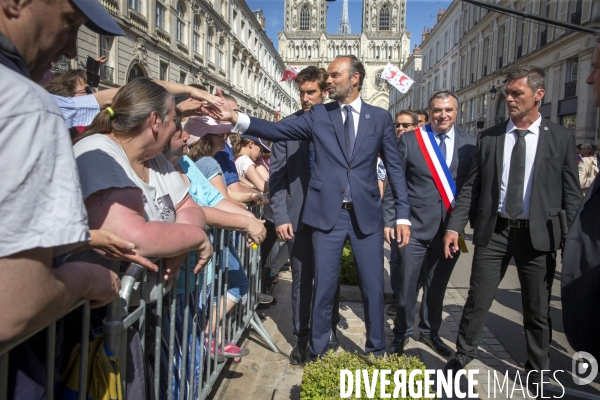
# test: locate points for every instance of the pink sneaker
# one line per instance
(230, 350)
(219, 357)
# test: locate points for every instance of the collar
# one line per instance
(449, 134)
(10, 57)
(533, 128)
(356, 105)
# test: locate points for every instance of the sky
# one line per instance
(419, 13)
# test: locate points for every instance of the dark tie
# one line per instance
(443, 137)
(349, 130)
(516, 176)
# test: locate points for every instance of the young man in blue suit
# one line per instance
(291, 167)
(343, 199)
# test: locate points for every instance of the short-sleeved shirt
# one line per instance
(225, 160)
(40, 197)
(210, 168)
(381, 172)
(242, 163)
(78, 110)
(103, 165)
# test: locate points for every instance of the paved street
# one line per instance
(267, 375)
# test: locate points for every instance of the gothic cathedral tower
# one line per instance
(304, 40)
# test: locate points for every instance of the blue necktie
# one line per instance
(349, 130)
(443, 137)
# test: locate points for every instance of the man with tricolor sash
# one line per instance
(436, 159)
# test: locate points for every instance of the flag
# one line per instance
(278, 112)
(289, 74)
(397, 78)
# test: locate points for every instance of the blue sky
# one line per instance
(419, 14)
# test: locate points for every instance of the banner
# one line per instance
(397, 78)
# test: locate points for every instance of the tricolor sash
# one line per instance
(437, 165)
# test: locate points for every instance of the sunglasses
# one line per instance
(404, 125)
(86, 90)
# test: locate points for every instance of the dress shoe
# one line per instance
(334, 342)
(436, 344)
(391, 309)
(398, 345)
(262, 298)
(298, 354)
(457, 363)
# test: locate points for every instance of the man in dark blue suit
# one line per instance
(343, 199)
(291, 167)
(422, 262)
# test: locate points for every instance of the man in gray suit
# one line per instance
(422, 262)
(291, 167)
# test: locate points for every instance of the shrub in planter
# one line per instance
(321, 379)
(348, 275)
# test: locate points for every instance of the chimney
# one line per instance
(440, 15)
(424, 34)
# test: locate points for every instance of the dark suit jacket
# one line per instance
(427, 210)
(555, 186)
(581, 276)
(288, 182)
(334, 167)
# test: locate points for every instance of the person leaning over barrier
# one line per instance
(41, 208)
(130, 188)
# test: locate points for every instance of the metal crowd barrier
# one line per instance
(196, 368)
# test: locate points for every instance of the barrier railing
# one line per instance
(182, 335)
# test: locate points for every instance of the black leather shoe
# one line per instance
(398, 345)
(436, 344)
(298, 354)
(457, 363)
(334, 342)
(391, 309)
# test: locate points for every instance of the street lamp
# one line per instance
(493, 92)
(205, 82)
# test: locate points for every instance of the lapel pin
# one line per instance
(367, 116)
(545, 128)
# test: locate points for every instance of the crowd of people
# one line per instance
(99, 179)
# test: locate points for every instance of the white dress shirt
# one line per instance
(244, 122)
(531, 142)
(449, 143)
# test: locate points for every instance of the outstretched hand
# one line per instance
(203, 95)
(221, 111)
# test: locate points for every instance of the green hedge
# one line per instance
(321, 379)
(348, 274)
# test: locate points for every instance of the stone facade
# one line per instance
(212, 42)
(483, 45)
(304, 40)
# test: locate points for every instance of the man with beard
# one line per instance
(347, 135)
(291, 167)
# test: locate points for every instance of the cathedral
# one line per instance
(382, 39)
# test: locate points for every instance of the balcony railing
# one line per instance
(138, 21)
(106, 73)
(500, 62)
(570, 89)
(62, 65)
(543, 38)
(182, 47)
(111, 5)
(576, 17)
(519, 51)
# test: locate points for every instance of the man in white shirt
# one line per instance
(523, 176)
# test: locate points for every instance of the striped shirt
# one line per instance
(78, 110)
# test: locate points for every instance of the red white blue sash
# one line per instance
(437, 165)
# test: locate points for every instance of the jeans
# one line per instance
(236, 276)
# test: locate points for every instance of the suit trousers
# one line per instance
(394, 268)
(368, 254)
(536, 273)
(301, 257)
(422, 265)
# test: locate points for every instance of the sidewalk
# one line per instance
(264, 375)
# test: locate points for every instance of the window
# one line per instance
(136, 5)
(160, 16)
(486, 46)
(104, 46)
(571, 78)
(220, 59)
(304, 19)
(163, 72)
(501, 47)
(445, 80)
(472, 110)
(182, 77)
(209, 46)
(519, 40)
(196, 37)
(453, 77)
(384, 18)
(180, 28)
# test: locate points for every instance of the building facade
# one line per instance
(484, 44)
(211, 42)
(383, 38)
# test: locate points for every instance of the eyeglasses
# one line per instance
(405, 125)
(86, 90)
